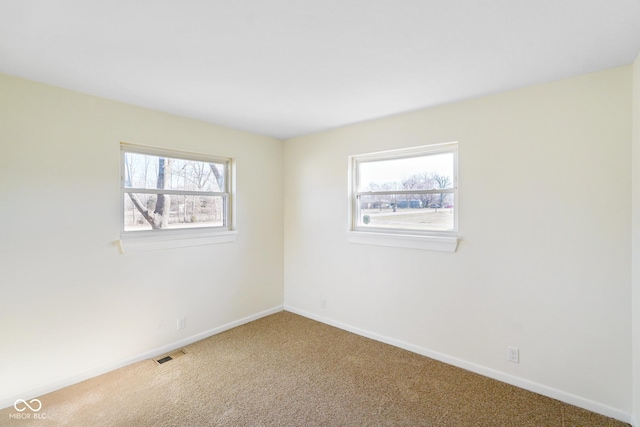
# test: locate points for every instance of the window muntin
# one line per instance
(409, 191)
(165, 190)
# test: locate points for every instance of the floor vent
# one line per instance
(170, 356)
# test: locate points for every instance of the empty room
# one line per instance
(323, 213)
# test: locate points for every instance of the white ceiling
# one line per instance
(291, 67)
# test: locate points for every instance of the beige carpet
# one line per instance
(286, 370)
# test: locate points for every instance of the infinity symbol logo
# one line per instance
(15, 405)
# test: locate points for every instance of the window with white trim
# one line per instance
(164, 190)
(405, 193)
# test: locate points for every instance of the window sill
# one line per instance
(135, 244)
(429, 243)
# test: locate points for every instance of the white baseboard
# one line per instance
(478, 369)
(8, 401)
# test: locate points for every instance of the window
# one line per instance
(170, 193)
(405, 197)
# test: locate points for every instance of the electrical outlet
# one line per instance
(181, 323)
(323, 303)
(513, 354)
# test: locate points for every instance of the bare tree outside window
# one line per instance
(168, 192)
(405, 192)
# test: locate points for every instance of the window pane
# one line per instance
(184, 211)
(147, 171)
(421, 173)
(425, 212)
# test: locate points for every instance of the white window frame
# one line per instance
(446, 241)
(148, 240)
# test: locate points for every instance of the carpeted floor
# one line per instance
(286, 370)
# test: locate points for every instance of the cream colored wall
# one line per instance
(71, 305)
(545, 223)
(636, 242)
(544, 262)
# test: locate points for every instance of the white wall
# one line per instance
(70, 304)
(636, 242)
(545, 221)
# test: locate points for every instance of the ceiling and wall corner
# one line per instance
(312, 70)
(287, 68)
